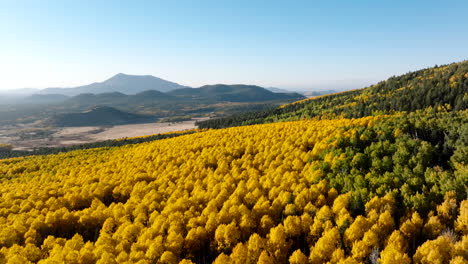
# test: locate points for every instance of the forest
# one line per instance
(325, 185)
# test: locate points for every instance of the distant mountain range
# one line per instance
(205, 94)
(129, 94)
(122, 83)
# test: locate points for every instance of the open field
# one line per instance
(28, 137)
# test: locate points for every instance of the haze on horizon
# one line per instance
(302, 45)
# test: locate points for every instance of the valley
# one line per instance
(28, 137)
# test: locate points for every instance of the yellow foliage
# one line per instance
(243, 194)
(439, 250)
(461, 225)
(298, 257)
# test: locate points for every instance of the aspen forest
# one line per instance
(369, 190)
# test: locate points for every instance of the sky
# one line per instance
(301, 45)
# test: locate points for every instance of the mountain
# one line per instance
(277, 90)
(439, 87)
(317, 93)
(209, 94)
(232, 93)
(305, 93)
(123, 83)
(98, 116)
(117, 98)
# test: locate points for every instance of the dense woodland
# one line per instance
(438, 87)
(383, 188)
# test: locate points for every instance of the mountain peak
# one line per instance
(121, 82)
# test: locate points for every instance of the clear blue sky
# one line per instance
(289, 44)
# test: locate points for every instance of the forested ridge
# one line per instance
(376, 186)
(437, 87)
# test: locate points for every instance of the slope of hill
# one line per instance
(99, 116)
(123, 83)
(119, 99)
(232, 93)
(438, 87)
(339, 191)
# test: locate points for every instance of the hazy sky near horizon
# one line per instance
(288, 44)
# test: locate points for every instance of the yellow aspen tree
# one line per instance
(337, 256)
(265, 258)
(394, 252)
(461, 247)
(433, 228)
(322, 251)
(156, 249)
(240, 254)
(384, 226)
(461, 225)
(222, 259)
(412, 227)
(297, 257)
(363, 248)
(356, 230)
(174, 243)
(439, 250)
(292, 226)
(341, 202)
(266, 223)
(447, 211)
(106, 258)
(168, 258)
(279, 243)
(255, 246)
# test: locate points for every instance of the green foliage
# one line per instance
(418, 157)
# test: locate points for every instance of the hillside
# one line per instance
(98, 116)
(232, 93)
(122, 83)
(338, 191)
(437, 87)
(116, 99)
